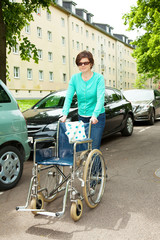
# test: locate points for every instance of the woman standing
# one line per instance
(90, 89)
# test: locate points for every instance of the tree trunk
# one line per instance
(2, 47)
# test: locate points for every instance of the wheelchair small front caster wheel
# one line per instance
(76, 210)
(37, 203)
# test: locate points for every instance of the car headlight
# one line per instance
(143, 108)
(51, 127)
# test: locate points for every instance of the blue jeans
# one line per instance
(96, 135)
(96, 129)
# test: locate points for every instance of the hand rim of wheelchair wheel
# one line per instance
(99, 181)
(34, 204)
(76, 210)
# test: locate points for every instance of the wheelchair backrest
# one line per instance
(65, 149)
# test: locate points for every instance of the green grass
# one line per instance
(26, 103)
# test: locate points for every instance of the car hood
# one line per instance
(137, 103)
(42, 116)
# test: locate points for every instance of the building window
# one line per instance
(77, 28)
(92, 36)
(72, 26)
(40, 75)
(28, 28)
(113, 45)
(93, 51)
(87, 48)
(81, 30)
(64, 59)
(109, 43)
(77, 45)
(82, 46)
(72, 43)
(51, 76)
(64, 77)
(50, 56)
(87, 33)
(49, 36)
(39, 32)
(29, 73)
(63, 41)
(38, 11)
(16, 49)
(48, 16)
(74, 63)
(62, 22)
(40, 53)
(16, 72)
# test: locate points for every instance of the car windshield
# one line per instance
(55, 100)
(138, 95)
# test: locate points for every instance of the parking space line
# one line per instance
(1, 193)
(144, 129)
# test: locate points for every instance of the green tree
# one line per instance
(141, 81)
(146, 16)
(13, 17)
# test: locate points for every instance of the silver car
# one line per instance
(145, 103)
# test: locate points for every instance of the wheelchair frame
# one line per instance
(84, 168)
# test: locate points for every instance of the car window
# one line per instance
(112, 95)
(118, 95)
(109, 93)
(55, 101)
(74, 103)
(157, 93)
(52, 101)
(138, 95)
(4, 98)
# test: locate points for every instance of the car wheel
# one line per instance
(152, 117)
(128, 129)
(11, 167)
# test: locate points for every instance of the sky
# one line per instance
(109, 12)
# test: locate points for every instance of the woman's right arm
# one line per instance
(68, 100)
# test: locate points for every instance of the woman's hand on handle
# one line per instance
(94, 120)
(63, 118)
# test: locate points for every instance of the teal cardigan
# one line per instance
(90, 95)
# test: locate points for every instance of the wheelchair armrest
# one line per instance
(45, 139)
(86, 140)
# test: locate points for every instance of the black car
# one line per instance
(145, 103)
(42, 118)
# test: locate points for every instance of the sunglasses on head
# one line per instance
(83, 63)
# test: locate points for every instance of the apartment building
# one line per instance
(59, 36)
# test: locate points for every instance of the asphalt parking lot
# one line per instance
(129, 209)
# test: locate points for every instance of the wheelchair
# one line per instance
(66, 167)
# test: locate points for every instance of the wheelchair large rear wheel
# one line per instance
(48, 180)
(94, 178)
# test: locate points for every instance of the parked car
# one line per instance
(42, 117)
(14, 143)
(145, 102)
